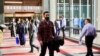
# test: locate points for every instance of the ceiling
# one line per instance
(22, 8)
(24, 2)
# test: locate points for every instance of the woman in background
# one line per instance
(21, 32)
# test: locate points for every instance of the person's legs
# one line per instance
(58, 32)
(89, 42)
(12, 33)
(31, 49)
(63, 32)
(87, 45)
(31, 40)
(43, 49)
(23, 39)
(35, 47)
(20, 38)
(51, 50)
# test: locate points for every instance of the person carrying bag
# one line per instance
(17, 40)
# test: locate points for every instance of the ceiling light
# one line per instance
(19, 2)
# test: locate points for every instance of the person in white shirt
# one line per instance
(57, 26)
(63, 24)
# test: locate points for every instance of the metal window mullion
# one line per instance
(64, 9)
(71, 15)
(94, 11)
(58, 8)
(87, 8)
(80, 9)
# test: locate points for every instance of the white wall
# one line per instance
(45, 5)
(1, 18)
(97, 40)
(53, 10)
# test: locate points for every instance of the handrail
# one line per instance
(97, 30)
(78, 28)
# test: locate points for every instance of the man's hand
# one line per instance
(41, 43)
(80, 42)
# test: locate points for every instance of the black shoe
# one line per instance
(30, 51)
(58, 50)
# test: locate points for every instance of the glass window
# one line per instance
(57, 1)
(76, 1)
(90, 2)
(84, 9)
(72, 12)
(61, 9)
(90, 9)
(84, 2)
(61, 1)
(76, 16)
(76, 8)
(67, 7)
(66, 1)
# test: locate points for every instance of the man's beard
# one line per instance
(47, 18)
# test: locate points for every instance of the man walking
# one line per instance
(32, 30)
(63, 24)
(89, 32)
(45, 35)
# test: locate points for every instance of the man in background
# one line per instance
(89, 32)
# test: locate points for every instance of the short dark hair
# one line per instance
(45, 12)
(89, 20)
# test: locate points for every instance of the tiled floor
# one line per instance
(9, 48)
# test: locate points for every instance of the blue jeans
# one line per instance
(57, 31)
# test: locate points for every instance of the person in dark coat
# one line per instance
(46, 35)
(13, 29)
(21, 33)
(1, 28)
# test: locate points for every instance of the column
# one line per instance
(53, 9)
(71, 17)
(45, 5)
(58, 9)
(94, 11)
(88, 9)
(97, 20)
(1, 11)
(80, 10)
(64, 9)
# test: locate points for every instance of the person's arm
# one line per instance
(83, 32)
(95, 34)
(53, 32)
(39, 32)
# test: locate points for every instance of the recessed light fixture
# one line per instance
(19, 2)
